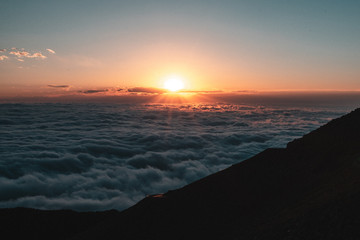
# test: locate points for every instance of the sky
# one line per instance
(52, 48)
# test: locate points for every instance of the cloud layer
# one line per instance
(97, 156)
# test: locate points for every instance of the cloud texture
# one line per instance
(58, 86)
(50, 51)
(96, 156)
(3, 57)
(21, 54)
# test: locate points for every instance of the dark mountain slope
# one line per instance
(25, 223)
(309, 190)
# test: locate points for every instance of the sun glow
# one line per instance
(173, 84)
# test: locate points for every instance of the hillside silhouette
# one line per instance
(308, 190)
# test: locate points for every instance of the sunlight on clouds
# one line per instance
(37, 55)
(21, 54)
(50, 51)
(3, 57)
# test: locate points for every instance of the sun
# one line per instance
(173, 84)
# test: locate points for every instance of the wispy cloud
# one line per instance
(37, 55)
(146, 90)
(58, 86)
(3, 57)
(21, 54)
(202, 91)
(94, 91)
(50, 51)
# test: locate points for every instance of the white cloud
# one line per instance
(20, 53)
(3, 57)
(37, 55)
(50, 51)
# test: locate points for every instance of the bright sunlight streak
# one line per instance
(173, 84)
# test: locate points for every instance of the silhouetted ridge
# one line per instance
(309, 190)
(339, 134)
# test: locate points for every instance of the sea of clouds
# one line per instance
(91, 157)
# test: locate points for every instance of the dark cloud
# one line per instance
(146, 90)
(213, 91)
(94, 91)
(58, 86)
(103, 156)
